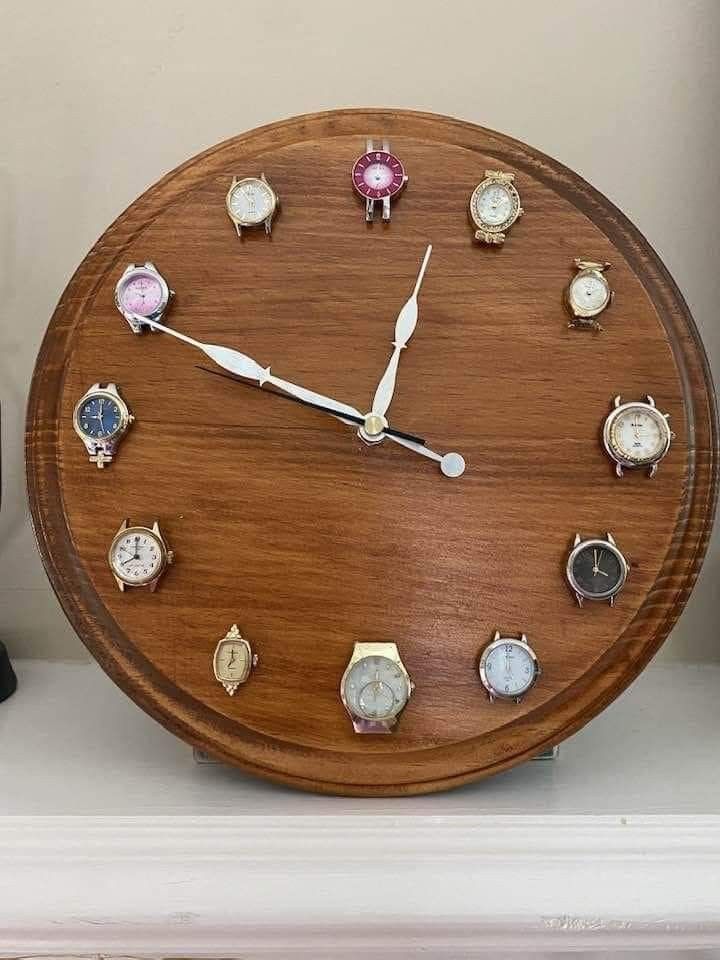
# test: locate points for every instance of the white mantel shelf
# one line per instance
(114, 842)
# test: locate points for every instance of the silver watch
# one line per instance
(142, 291)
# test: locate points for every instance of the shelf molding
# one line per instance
(342, 885)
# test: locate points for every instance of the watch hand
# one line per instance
(451, 464)
(404, 329)
(244, 366)
(314, 406)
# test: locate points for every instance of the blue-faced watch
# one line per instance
(101, 419)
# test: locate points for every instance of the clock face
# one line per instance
(99, 417)
(141, 293)
(287, 523)
(639, 434)
(597, 570)
(136, 556)
(376, 688)
(251, 201)
(508, 668)
(589, 293)
(378, 174)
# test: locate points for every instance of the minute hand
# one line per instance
(404, 329)
(244, 366)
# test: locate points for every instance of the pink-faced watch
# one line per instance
(142, 292)
(378, 175)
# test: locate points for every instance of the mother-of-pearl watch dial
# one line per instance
(639, 434)
(589, 292)
(494, 204)
(251, 201)
(137, 556)
(376, 688)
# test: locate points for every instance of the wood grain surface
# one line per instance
(283, 521)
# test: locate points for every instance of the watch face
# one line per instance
(597, 569)
(232, 661)
(378, 174)
(99, 417)
(141, 293)
(376, 688)
(589, 293)
(508, 668)
(250, 201)
(494, 204)
(137, 556)
(638, 434)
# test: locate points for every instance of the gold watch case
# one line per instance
(252, 222)
(166, 556)
(587, 316)
(387, 651)
(494, 233)
(232, 671)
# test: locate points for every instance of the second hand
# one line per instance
(314, 406)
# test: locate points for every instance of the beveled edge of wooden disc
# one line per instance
(186, 717)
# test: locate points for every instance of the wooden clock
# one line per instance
(330, 551)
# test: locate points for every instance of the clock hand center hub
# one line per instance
(372, 429)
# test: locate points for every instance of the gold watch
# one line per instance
(375, 687)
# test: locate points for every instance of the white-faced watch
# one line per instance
(101, 419)
(508, 667)
(251, 202)
(375, 687)
(142, 291)
(588, 293)
(636, 435)
(139, 556)
(495, 206)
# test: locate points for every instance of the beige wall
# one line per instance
(98, 100)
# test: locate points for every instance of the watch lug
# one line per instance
(577, 539)
(369, 209)
(617, 401)
(611, 601)
(496, 635)
(238, 228)
(156, 529)
(618, 469)
(579, 598)
(120, 584)
(123, 526)
(386, 209)
(652, 471)
(650, 400)
(611, 539)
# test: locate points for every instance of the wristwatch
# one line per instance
(251, 202)
(588, 293)
(636, 435)
(494, 206)
(375, 687)
(142, 291)
(378, 175)
(101, 419)
(139, 556)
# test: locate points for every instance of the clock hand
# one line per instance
(313, 406)
(244, 366)
(451, 464)
(404, 329)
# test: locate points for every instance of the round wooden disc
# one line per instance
(284, 522)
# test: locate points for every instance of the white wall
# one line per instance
(98, 100)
